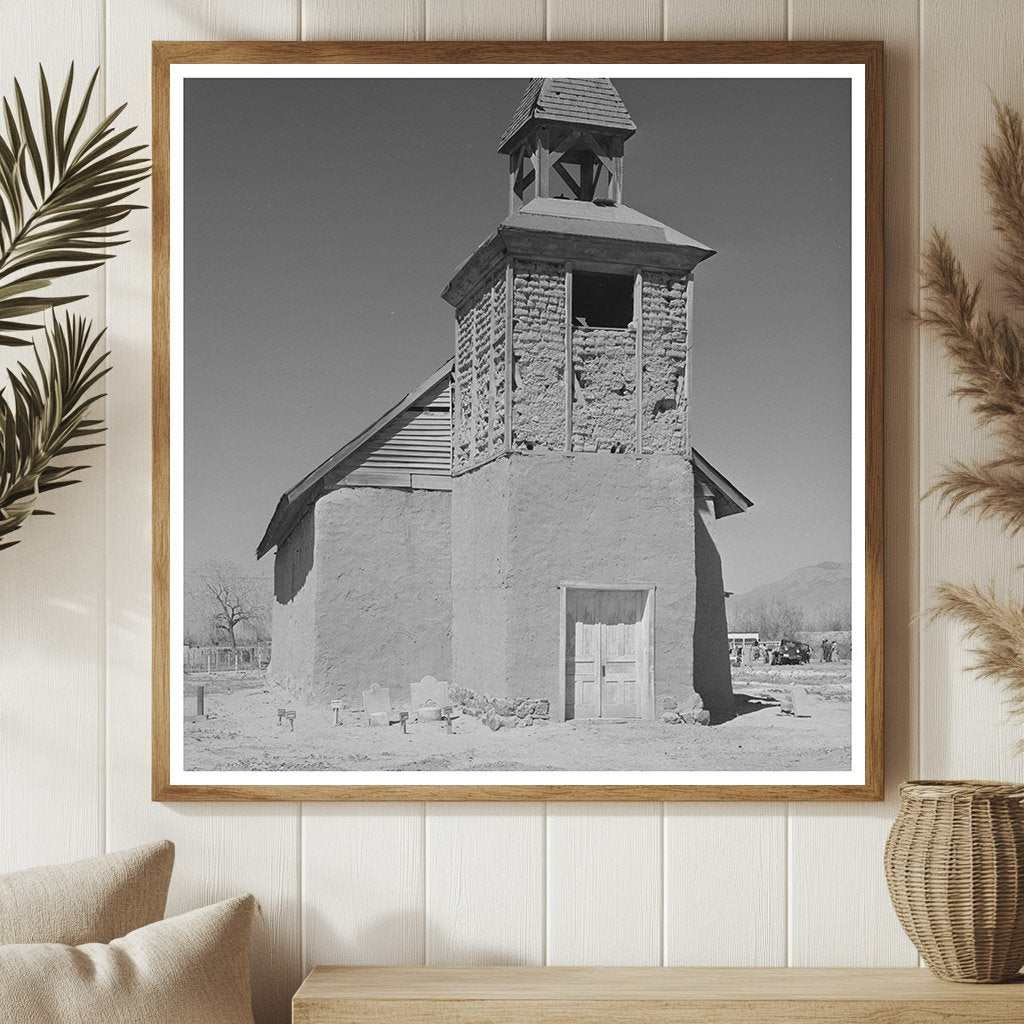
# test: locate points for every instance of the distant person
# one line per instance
(832, 648)
(824, 649)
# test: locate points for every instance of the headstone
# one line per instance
(377, 701)
(200, 708)
(428, 692)
(801, 702)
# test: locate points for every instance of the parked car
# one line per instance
(791, 652)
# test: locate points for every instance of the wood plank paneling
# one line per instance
(725, 885)
(362, 884)
(363, 19)
(418, 441)
(967, 49)
(726, 19)
(484, 19)
(836, 852)
(604, 884)
(485, 883)
(51, 584)
(363, 865)
(400, 884)
(741, 886)
(222, 849)
(604, 19)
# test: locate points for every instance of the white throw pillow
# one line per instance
(190, 969)
(92, 900)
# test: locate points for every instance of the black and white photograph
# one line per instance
(517, 426)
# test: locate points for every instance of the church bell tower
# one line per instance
(573, 477)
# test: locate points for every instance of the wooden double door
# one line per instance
(605, 653)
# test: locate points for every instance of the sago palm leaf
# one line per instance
(62, 191)
(45, 418)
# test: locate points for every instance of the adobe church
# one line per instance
(530, 523)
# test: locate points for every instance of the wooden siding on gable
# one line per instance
(416, 443)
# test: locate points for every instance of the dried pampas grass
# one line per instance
(987, 354)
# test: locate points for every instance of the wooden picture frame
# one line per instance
(867, 56)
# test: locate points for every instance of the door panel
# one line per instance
(620, 692)
(583, 646)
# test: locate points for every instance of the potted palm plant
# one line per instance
(64, 189)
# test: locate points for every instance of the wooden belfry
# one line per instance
(574, 127)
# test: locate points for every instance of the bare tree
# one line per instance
(831, 616)
(235, 600)
(773, 618)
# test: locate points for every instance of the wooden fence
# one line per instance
(224, 660)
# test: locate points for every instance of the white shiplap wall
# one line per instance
(515, 883)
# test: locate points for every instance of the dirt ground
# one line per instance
(242, 733)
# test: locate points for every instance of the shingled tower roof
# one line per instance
(585, 101)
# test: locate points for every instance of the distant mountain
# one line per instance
(808, 588)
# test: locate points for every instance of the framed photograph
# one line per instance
(517, 421)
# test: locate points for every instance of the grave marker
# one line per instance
(200, 710)
(377, 701)
(428, 692)
(801, 702)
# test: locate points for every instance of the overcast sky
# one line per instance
(323, 218)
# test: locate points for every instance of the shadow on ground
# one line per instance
(748, 703)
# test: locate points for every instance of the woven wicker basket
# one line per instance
(954, 861)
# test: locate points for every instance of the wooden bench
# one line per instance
(647, 995)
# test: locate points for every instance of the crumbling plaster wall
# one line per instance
(383, 590)
(712, 674)
(479, 422)
(604, 368)
(600, 519)
(294, 612)
(664, 400)
(523, 525)
(480, 573)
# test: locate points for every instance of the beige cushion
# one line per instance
(93, 900)
(191, 969)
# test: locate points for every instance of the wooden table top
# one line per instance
(639, 984)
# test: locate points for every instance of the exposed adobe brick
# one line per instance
(604, 391)
(664, 410)
(538, 350)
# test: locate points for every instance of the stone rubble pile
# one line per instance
(687, 710)
(501, 712)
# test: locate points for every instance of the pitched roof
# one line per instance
(729, 499)
(589, 101)
(294, 502)
(594, 220)
(567, 229)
